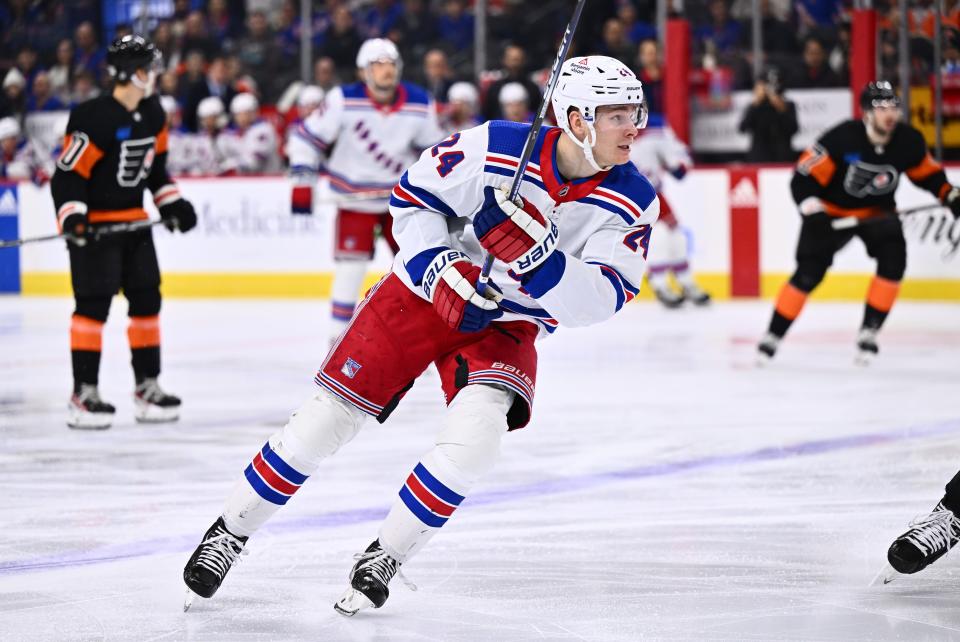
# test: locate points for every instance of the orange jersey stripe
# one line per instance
(85, 333)
(790, 301)
(144, 332)
(858, 212)
(163, 139)
(882, 293)
(925, 168)
(117, 216)
(818, 164)
(79, 154)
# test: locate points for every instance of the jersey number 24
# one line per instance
(448, 160)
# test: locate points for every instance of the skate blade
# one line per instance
(188, 600)
(885, 576)
(762, 360)
(864, 359)
(351, 603)
(155, 414)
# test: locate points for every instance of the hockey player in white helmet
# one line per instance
(213, 154)
(656, 153)
(463, 103)
(379, 127)
(571, 252)
(515, 103)
(180, 152)
(252, 142)
(20, 158)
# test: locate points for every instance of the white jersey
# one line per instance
(374, 143)
(28, 163)
(657, 150)
(180, 152)
(253, 150)
(604, 223)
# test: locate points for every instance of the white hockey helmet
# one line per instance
(244, 102)
(379, 50)
(513, 92)
(9, 128)
(169, 104)
(589, 82)
(463, 92)
(210, 106)
(310, 95)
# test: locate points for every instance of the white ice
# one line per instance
(666, 489)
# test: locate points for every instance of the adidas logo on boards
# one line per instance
(8, 202)
(744, 194)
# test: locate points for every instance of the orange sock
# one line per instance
(86, 333)
(144, 332)
(882, 293)
(790, 301)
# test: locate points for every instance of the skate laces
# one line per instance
(220, 552)
(867, 336)
(934, 531)
(150, 391)
(770, 340)
(383, 567)
(89, 394)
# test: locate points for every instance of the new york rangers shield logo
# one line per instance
(350, 367)
(563, 191)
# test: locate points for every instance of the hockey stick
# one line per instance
(535, 130)
(97, 233)
(851, 222)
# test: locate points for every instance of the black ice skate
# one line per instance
(88, 411)
(696, 296)
(206, 568)
(668, 297)
(867, 348)
(153, 405)
(767, 348)
(930, 537)
(368, 581)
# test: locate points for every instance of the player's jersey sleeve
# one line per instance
(309, 143)
(923, 170)
(444, 184)
(591, 288)
(85, 143)
(674, 153)
(816, 167)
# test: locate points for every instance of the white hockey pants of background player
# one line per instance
(466, 449)
(348, 275)
(669, 253)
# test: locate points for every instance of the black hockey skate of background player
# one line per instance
(115, 147)
(853, 171)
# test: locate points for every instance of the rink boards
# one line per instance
(741, 220)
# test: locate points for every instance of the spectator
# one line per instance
(260, 55)
(514, 63)
(815, 15)
(840, 54)
(193, 72)
(455, 26)
(614, 41)
(27, 64)
(723, 31)
(222, 25)
(343, 43)
(651, 74)
(168, 84)
(771, 120)
(61, 73)
(169, 47)
(814, 71)
(14, 94)
(439, 77)
(214, 83)
(515, 103)
(416, 31)
(776, 35)
(89, 55)
(637, 30)
(85, 87)
(196, 37)
(288, 30)
(42, 98)
(461, 110)
(381, 18)
(325, 73)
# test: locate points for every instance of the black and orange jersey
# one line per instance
(853, 177)
(110, 155)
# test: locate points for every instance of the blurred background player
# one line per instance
(180, 153)
(852, 173)
(309, 98)
(379, 127)
(21, 158)
(251, 142)
(461, 112)
(515, 103)
(658, 151)
(209, 156)
(116, 147)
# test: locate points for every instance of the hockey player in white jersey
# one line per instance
(570, 253)
(210, 158)
(658, 152)
(379, 127)
(252, 141)
(180, 152)
(20, 158)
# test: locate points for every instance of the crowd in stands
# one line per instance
(52, 53)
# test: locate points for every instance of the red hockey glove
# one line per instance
(301, 200)
(515, 233)
(952, 200)
(450, 283)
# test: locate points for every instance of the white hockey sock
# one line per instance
(315, 431)
(347, 279)
(658, 280)
(465, 450)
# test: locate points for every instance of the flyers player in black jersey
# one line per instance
(115, 147)
(853, 171)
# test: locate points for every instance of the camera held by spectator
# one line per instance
(772, 121)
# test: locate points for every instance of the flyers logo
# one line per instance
(867, 179)
(136, 159)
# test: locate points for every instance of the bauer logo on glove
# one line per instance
(514, 232)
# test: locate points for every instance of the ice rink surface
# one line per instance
(666, 490)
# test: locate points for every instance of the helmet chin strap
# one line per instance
(588, 147)
(146, 85)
